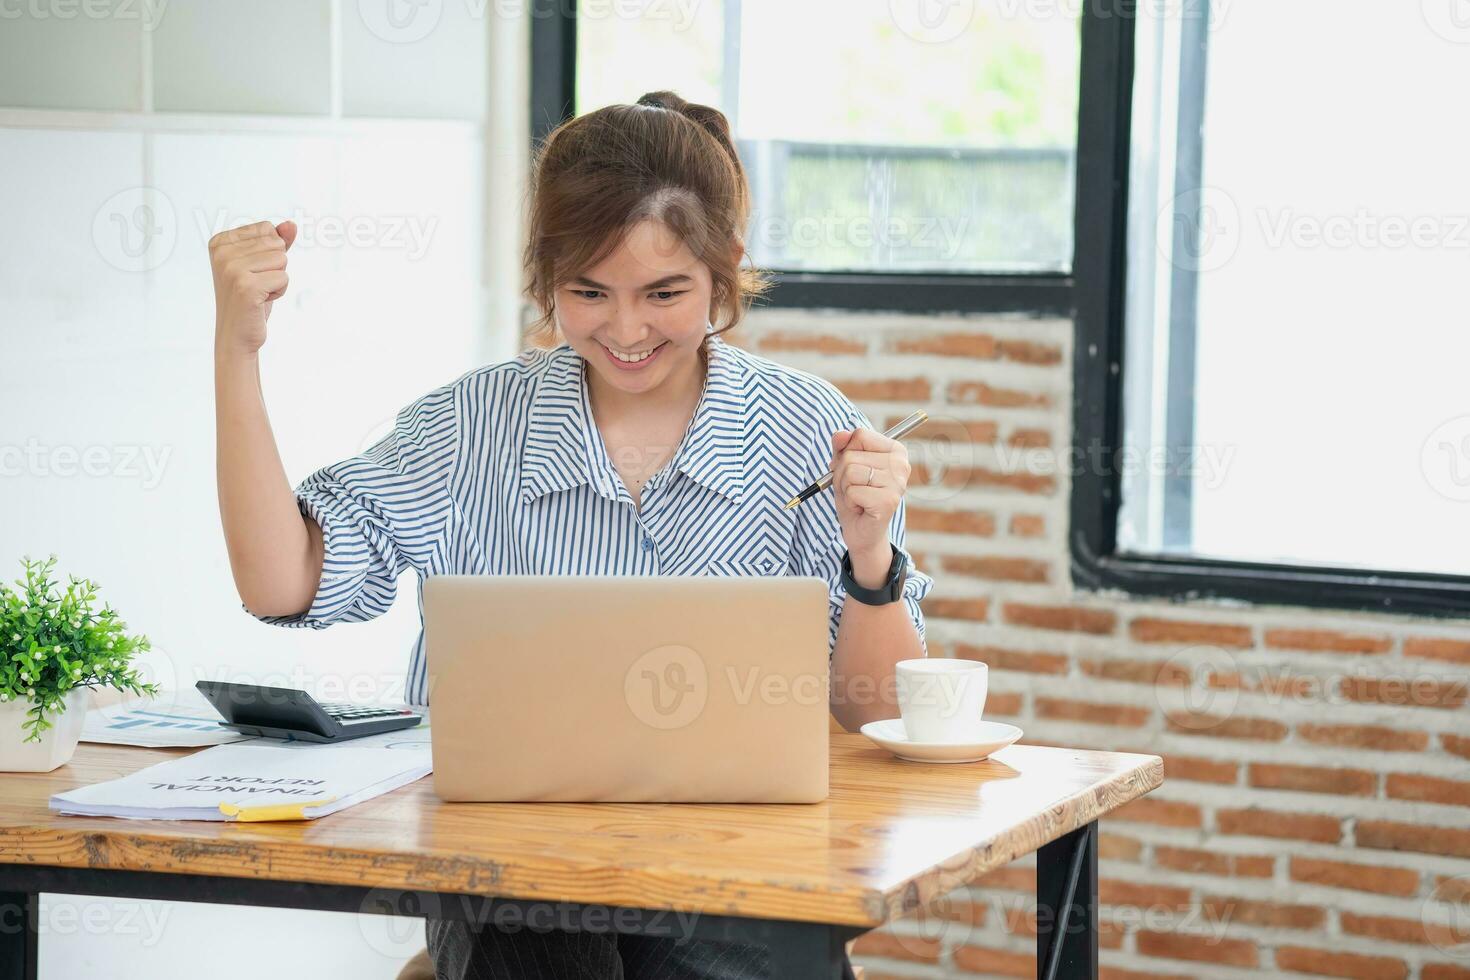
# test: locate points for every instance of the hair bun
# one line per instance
(708, 117)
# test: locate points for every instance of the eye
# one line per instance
(587, 293)
(668, 294)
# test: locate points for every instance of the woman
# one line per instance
(643, 444)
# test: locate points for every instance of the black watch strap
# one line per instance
(890, 591)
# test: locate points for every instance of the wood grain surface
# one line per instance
(893, 836)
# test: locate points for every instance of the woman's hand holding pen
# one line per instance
(249, 265)
(870, 473)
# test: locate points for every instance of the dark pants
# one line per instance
(465, 952)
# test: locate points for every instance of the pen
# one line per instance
(897, 432)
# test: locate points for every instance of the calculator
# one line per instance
(284, 712)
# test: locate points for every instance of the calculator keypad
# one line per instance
(350, 713)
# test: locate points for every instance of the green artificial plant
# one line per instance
(53, 641)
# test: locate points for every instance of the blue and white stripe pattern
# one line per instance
(504, 472)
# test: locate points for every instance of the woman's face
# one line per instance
(648, 301)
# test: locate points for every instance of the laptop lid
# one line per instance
(628, 688)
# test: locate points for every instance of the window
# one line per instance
(880, 137)
(1285, 387)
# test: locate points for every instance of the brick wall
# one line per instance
(1317, 802)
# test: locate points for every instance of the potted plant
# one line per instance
(54, 647)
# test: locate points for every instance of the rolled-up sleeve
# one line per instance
(381, 512)
(819, 549)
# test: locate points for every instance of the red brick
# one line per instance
(1444, 971)
(1389, 835)
(1116, 847)
(1105, 972)
(975, 609)
(1098, 622)
(1357, 877)
(1199, 770)
(1456, 745)
(1274, 915)
(1150, 630)
(1029, 439)
(1030, 352)
(1165, 813)
(964, 477)
(1277, 683)
(1136, 671)
(1000, 658)
(1438, 648)
(1027, 525)
(1210, 862)
(1428, 789)
(983, 959)
(915, 949)
(1327, 641)
(823, 343)
(1112, 891)
(1202, 949)
(1092, 713)
(1416, 693)
(1386, 927)
(972, 522)
(1254, 866)
(1325, 963)
(1454, 891)
(980, 393)
(1276, 823)
(998, 569)
(1219, 726)
(1002, 703)
(886, 390)
(975, 345)
(1364, 737)
(1312, 779)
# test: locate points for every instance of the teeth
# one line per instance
(631, 358)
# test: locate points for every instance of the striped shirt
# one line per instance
(504, 472)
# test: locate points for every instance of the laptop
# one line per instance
(628, 689)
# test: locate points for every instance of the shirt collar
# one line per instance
(564, 448)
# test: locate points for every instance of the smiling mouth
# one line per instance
(634, 357)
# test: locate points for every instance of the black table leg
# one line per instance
(1066, 906)
(805, 949)
(18, 935)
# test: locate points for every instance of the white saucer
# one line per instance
(992, 737)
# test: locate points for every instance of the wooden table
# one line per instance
(892, 839)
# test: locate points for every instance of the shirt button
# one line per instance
(647, 544)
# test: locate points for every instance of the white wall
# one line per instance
(378, 150)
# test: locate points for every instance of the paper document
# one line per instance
(173, 718)
(260, 779)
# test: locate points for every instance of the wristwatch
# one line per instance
(889, 591)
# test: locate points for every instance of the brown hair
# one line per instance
(598, 175)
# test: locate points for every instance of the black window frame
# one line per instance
(1092, 296)
(1105, 117)
(1040, 294)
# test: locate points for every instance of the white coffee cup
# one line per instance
(941, 699)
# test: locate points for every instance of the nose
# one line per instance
(626, 330)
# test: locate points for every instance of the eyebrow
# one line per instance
(674, 280)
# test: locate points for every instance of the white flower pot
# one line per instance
(57, 743)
